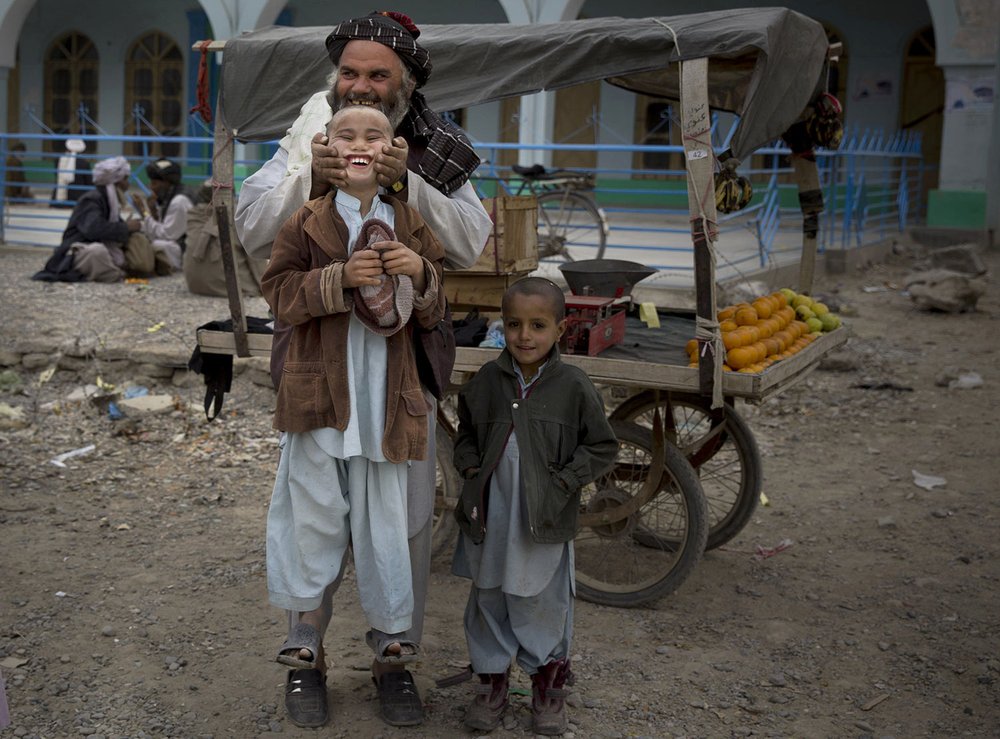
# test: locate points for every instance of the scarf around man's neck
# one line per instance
(448, 159)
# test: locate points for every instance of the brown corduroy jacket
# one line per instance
(307, 260)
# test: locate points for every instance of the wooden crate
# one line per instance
(466, 290)
(513, 243)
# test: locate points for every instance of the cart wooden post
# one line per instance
(696, 123)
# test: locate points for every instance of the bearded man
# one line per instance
(378, 62)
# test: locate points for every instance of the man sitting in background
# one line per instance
(98, 245)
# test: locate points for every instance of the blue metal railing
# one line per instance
(871, 185)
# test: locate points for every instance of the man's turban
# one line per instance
(111, 171)
(394, 30)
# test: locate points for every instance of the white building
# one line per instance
(926, 65)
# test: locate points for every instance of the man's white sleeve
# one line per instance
(267, 199)
(459, 221)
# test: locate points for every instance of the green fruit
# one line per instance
(830, 321)
(804, 312)
(789, 294)
(814, 324)
(820, 309)
(800, 300)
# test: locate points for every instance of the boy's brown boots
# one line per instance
(487, 707)
(548, 697)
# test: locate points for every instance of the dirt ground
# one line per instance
(132, 589)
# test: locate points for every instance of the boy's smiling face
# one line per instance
(359, 135)
(531, 329)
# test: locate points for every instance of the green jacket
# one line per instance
(564, 438)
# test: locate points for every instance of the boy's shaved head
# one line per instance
(373, 117)
(541, 287)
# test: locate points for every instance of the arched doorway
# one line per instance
(154, 93)
(922, 102)
(71, 74)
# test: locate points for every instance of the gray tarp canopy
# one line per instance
(766, 65)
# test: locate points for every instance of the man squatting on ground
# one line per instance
(165, 215)
(377, 62)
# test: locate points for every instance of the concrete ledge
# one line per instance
(934, 237)
(840, 261)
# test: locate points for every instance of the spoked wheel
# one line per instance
(446, 492)
(721, 448)
(566, 220)
(639, 542)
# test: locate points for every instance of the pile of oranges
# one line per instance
(758, 334)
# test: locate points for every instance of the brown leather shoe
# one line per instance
(486, 709)
(548, 698)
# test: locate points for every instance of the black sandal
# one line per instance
(398, 699)
(306, 702)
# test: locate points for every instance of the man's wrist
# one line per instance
(399, 186)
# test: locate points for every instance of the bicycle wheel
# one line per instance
(616, 564)
(722, 451)
(570, 220)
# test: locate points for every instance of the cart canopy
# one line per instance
(765, 65)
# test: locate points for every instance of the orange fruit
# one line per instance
(763, 308)
(780, 298)
(740, 357)
(773, 346)
(746, 316)
(691, 347)
(785, 337)
(726, 313)
(728, 325)
(731, 339)
(743, 336)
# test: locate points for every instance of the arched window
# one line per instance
(922, 101)
(154, 93)
(71, 67)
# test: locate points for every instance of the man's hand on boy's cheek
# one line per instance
(362, 268)
(390, 164)
(328, 167)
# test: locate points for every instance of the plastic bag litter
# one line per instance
(60, 460)
(494, 336)
(927, 482)
(966, 381)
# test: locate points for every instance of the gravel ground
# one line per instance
(133, 600)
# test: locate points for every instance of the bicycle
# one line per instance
(567, 214)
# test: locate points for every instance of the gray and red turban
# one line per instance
(388, 28)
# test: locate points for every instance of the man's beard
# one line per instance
(395, 110)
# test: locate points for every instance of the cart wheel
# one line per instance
(631, 560)
(723, 452)
(446, 493)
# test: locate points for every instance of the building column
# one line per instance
(4, 78)
(966, 35)
(992, 169)
(538, 111)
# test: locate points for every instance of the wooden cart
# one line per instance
(645, 525)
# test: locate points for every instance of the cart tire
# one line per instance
(728, 464)
(447, 490)
(615, 568)
(568, 219)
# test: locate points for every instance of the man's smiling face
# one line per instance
(371, 74)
